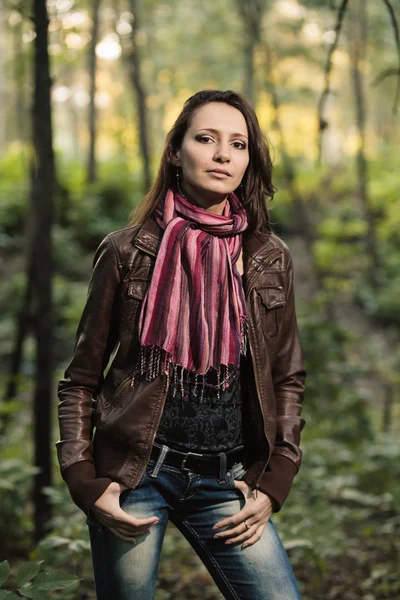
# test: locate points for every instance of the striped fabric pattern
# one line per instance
(194, 313)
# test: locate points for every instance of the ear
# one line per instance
(174, 157)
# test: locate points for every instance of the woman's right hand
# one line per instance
(108, 511)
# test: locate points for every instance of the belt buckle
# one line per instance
(183, 467)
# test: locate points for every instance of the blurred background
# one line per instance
(88, 91)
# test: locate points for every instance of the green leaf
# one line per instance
(56, 580)
(27, 572)
(55, 541)
(4, 595)
(4, 571)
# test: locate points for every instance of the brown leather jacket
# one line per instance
(125, 418)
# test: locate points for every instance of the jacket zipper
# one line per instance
(267, 263)
(257, 483)
(156, 427)
(152, 252)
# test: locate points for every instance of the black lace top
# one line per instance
(210, 424)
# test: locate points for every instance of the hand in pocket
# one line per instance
(248, 524)
(107, 510)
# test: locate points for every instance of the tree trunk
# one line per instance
(251, 13)
(357, 37)
(91, 172)
(142, 113)
(42, 207)
(301, 218)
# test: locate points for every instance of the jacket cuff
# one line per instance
(83, 485)
(276, 481)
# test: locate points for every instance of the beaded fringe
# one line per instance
(153, 360)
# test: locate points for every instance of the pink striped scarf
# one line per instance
(194, 313)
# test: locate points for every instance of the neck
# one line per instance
(214, 205)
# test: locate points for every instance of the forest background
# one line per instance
(88, 90)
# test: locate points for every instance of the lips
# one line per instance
(220, 171)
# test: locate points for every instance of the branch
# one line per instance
(397, 39)
(322, 124)
(387, 73)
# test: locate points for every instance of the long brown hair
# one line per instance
(256, 182)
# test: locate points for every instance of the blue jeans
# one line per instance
(194, 503)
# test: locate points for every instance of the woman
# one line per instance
(198, 418)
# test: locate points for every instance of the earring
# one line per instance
(178, 183)
(241, 191)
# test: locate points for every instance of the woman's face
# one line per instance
(216, 139)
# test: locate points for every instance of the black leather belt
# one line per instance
(204, 464)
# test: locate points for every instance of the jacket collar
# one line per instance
(255, 246)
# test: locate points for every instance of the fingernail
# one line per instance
(216, 526)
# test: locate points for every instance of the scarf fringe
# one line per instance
(153, 360)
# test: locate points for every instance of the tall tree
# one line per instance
(301, 215)
(91, 171)
(357, 42)
(252, 14)
(42, 193)
(139, 89)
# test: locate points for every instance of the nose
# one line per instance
(222, 153)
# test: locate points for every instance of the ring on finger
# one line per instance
(247, 526)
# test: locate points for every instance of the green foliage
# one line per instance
(345, 503)
(92, 211)
(15, 482)
(333, 409)
(14, 190)
(31, 583)
(382, 303)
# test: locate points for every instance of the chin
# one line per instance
(220, 188)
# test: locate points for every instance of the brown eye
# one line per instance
(202, 137)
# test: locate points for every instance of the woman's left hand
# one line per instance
(256, 513)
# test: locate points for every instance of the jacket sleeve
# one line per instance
(96, 337)
(288, 376)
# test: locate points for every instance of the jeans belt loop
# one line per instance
(160, 460)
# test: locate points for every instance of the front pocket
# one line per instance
(271, 301)
(106, 410)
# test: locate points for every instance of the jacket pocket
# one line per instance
(271, 303)
(107, 410)
(132, 300)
